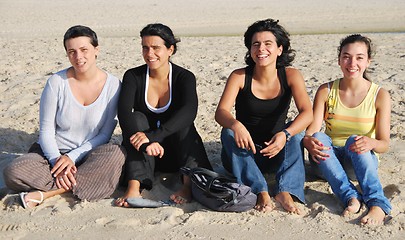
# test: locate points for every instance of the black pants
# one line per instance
(182, 148)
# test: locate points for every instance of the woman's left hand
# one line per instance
(275, 145)
(155, 149)
(362, 144)
(138, 139)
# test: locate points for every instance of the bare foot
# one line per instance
(352, 207)
(264, 202)
(286, 201)
(375, 216)
(133, 191)
(184, 194)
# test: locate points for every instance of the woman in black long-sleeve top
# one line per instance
(157, 107)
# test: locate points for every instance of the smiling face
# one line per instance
(354, 60)
(155, 53)
(81, 54)
(264, 50)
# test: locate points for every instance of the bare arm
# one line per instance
(302, 120)
(302, 101)
(319, 109)
(380, 143)
(313, 145)
(383, 121)
(223, 114)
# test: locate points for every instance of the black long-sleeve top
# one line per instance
(181, 112)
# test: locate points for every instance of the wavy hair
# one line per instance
(282, 39)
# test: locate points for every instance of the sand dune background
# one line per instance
(212, 46)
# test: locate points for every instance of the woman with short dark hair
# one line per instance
(156, 111)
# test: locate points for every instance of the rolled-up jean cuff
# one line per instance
(300, 198)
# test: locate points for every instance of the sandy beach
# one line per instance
(211, 47)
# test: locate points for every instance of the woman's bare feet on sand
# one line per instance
(133, 191)
(286, 201)
(184, 194)
(352, 207)
(375, 216)
(264, 202)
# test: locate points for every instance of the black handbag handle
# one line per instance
(213, 176)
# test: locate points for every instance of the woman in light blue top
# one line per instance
(77, 118)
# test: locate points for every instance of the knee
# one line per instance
(110, 152)
(319, 135)
(296, 139)
(227, 135)
(10, 173)
(140, 120)
(325, 139)
(350, 140)
(119, 152)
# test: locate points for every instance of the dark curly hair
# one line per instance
(282, 39)
(162, 31)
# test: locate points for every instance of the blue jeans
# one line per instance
(365, 167)
(247, 167)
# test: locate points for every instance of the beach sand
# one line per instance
(211, 46)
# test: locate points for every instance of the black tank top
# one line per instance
(263, 118)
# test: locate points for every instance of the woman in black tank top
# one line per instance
(258, 139)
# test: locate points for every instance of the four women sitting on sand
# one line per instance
(158, 104)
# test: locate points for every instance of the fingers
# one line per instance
(243, 144)
(57, 168)
(162, 151)
(62, 183)
(251, 146)
(62, 165)
(243, 139)
(65, 181)
(64, 171)
(360, 145)
(274, 146)
(314, 158)
(71, 179)
(155, 149)
(138, 139)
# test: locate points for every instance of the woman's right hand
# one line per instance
(64, 172)
(315, 148)
(242, 137)
(138, 139)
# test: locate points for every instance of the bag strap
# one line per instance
(212, 176)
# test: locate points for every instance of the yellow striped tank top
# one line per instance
(342, 122)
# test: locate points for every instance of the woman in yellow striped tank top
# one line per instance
(357, 127)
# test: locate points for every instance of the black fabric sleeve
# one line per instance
(184, 102)
(128, 95)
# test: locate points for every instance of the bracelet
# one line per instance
(287, 135)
